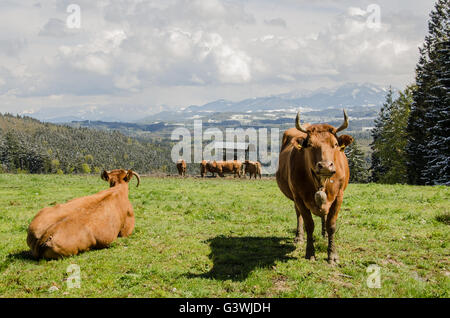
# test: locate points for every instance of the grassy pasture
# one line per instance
(232, 238)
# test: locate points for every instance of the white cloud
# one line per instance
(143, 51)
(352, 11)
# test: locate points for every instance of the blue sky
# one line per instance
(167, 54)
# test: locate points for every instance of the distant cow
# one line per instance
(313, 172)
(253, 168)
(208, 166)
(89, 222)
(181, 166)
(229, 166)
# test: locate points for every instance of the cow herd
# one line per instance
(313, 172)
(235, 167)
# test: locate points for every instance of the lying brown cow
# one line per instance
(313, 172)
(181, 166)
(229, 166)
(85, 223)
(253, 168)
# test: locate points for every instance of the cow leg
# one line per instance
(324, 231)
(333, 257)
(309, 227)
(299, 235)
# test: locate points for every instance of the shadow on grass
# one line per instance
(23, 256)
(444, 218)
(235, 257)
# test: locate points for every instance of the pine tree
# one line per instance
(394, 136)
(377, 168)
(437, 157)
(428, 123)
(357, 164)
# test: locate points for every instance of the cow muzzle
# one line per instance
(325, 168)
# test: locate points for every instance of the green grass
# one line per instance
(232, 238)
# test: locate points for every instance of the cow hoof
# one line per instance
(298, 239)
(310, 255)
(333, 259)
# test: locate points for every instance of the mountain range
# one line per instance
(347, 96)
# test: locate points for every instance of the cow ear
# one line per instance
(128, 176)
(298, 142)
(104, 175)
(344, 141)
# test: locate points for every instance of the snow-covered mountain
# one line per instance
(346, 96)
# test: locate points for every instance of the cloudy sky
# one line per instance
(175, 53)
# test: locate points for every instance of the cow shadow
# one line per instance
(234, 258)
(24, 256)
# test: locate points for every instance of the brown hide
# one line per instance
(253, 168)
(295, 174)
(229, 166)
(84, 223)
(313, 172)
(181, 167)
(208, 166)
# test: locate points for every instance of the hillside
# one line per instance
(29, 145)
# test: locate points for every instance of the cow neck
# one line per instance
(320, 181)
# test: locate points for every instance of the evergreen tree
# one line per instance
(393, 149)
(377, 167)
(357, 164)
(428, 124)
(389, 145)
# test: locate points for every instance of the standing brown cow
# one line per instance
(85, 223)
(229, 166)
(208, 166)
(313, 172)
(181, 166)
(253, 168)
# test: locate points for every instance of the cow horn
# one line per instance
(298, 125)
(344, 124)
(138, 178)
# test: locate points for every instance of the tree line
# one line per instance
(411, 137)
(28, 145)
